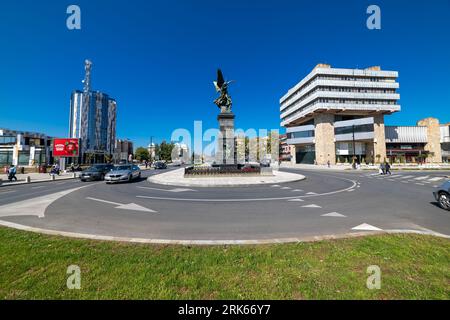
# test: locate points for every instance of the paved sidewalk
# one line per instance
(34, 177)
(176, 178)
(344, 167)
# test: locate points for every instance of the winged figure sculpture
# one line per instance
(224, 100)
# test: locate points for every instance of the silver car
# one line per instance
(442, 195)
(123, 172)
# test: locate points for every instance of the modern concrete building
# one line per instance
(337, 114)
(93, 123)
(22, 148)
(122, 150)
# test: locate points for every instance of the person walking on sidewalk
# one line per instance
(12, 173)
(388, 168)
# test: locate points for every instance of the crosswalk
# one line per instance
(421, 180)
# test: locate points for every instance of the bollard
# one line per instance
(53, 178)
(74, 175)
(28, 179)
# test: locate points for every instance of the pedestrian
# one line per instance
(388, 168)
(146, 164)
(12, 173)
(328, 163)
(382, 168)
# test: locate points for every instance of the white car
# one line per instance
(123, 172)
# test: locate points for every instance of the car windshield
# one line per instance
(97, 168)
(117, 168)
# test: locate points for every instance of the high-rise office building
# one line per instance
(93, 121)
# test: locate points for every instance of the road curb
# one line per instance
(214, 242)
(156, 179)
(8, 184)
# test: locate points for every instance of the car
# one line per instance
(123, 172)
(96, 172)
(442, 195)
(160, 165)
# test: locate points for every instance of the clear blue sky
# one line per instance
(158, 58)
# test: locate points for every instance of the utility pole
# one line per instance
(354, 148)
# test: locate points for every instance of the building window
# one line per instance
(8, 140)
(357, 129)
(300, 134)
(6, 157)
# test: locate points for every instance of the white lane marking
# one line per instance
(311, 206)
(34, 206)
(7, 191)
(38, 187)
(275, 185)
(297, 190)
(421, 178)
(366, 227)
(406, 177)
(435, 179)
(129, 206)
(334, 214)
(310, 195)
(351, 190)
(420, 184)
(176, 190)
(296, 200)
(285, 188)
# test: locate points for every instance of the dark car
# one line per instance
(96, 172)
(160, 165)
(442, 195)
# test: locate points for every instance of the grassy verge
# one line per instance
(34, 266)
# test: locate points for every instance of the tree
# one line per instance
(141, 154)
(164, 150)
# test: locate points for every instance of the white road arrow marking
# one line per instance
(334, 214)
(311, 206)
(176, 190)
(34, 206)
(366, 227)
(129, 206)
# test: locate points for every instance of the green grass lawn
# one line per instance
(34, 266)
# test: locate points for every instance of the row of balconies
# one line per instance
(340, 95)
(336, 83)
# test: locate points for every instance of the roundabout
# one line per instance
(321, 206)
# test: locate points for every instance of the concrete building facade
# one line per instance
(23, 148)
(337, 115)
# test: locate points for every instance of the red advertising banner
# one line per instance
(65, 147)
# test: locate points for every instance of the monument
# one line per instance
(226, 155)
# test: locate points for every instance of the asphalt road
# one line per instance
(326, 203)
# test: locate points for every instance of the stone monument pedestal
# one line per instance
(226, 145)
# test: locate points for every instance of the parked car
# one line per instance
(123, 172)
(96, 172)
(442, 195)
(160, 165)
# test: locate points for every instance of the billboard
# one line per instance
(66, 147)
